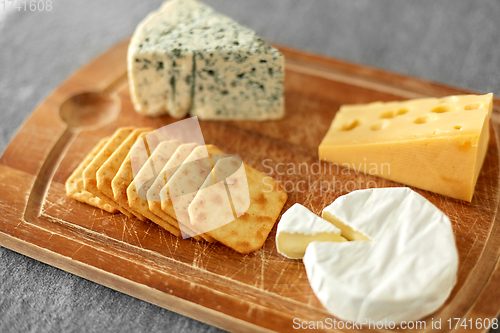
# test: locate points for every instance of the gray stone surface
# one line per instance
(450, 41)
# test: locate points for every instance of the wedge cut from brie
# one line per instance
(298, 227)
(405, 272)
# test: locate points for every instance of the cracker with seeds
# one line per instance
(153, 194)
(110, 167)
(180, 188)
(90, 172)
(124, 177)
(211, 208)
(75, 187)
(249, 231)
(142, 149)
(223, 197)
(186, 182)
(144, 177)
(137, 156)
(231, 170)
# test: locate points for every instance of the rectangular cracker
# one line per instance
(75, 187)
(90, 172)
(147, 173)
(186, 182)
(153, 194)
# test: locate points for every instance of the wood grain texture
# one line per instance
(210, 282)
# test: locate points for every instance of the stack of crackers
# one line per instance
(188, 189)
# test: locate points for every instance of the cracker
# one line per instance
(248, 232)
(124, 177)
(110, 167)
(182, 152)
(153, 194)
(138, 155)
(147, 174)
(107, 171)
(75, 187)
(223, 197)
(231, 171)
(186, 182)
(90, 172)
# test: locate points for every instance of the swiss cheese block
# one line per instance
(405, 271)
(436, 144)
(186, 57)
(298, 227)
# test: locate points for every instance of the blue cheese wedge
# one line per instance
(186, 58)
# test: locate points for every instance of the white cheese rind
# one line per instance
(299, 219)
(406, 272)
(298, 227)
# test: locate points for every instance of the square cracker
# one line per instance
(90, 172)
(124, 175)
(153, 193)
(146, 174)
(185, 183)
(110, 167)
(249, 230)
(223, 197)
(75, 187)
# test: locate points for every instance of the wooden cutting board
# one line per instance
(209, 282)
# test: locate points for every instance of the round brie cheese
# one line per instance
(407, 269)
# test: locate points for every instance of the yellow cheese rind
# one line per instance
(434, 144)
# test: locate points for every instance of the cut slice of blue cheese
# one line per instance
(154, 60)
(298, 227)
(180, 46)
(188, 58)
(405, 272)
